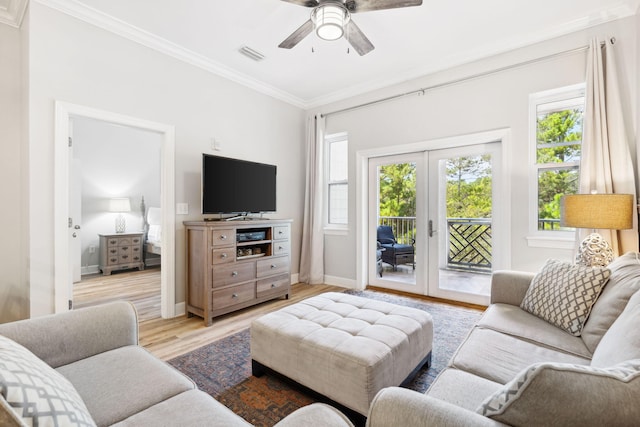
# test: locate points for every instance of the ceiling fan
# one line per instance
(331, 19)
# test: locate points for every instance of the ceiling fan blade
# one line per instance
(297, 36)
(356, 6)
(357, 39)
(305, 3)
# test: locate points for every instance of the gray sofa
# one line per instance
(85, 368)
(515, 368)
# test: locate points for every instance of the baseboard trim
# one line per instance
(340, 281)
(89, 269)
(180, 309)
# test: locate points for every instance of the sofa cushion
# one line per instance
(622, 340)
(499, 357)
(119, 383)
(35, 392)
(462, 388)
(512, 320)
(191, 408)
(563, 294)
(623, 282)
(580, 393)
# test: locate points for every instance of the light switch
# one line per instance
(182, 209)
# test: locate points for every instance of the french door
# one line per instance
(444, 204)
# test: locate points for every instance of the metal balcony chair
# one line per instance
(395, 253)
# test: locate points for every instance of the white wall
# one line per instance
(114, 161)
(14, 295)
(496, 101)
(78, 63)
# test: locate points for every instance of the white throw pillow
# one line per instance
(37, 393)
(563, 293)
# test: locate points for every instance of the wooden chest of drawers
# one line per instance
(120, 251)
(235, 265)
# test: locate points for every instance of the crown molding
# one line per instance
(602, 17)
(13, 12)
(130, 32)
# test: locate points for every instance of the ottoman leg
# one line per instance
(257, 369)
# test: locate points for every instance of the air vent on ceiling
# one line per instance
(251, 53)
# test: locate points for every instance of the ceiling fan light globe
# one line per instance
(329, 21)
(329, 32)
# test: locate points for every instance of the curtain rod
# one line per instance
(463, 79)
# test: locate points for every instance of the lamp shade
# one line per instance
(120, 204)
(597, 211)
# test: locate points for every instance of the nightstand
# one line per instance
(120, 251)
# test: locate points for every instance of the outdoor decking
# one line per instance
(454, 280)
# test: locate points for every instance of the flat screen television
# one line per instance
(233, 186)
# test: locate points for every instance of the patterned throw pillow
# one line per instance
(563, 294)
(563, 393)
(37, 393)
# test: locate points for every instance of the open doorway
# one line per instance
(115, 167)
(64, 228)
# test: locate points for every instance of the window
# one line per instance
(556, 120)
(337, 179)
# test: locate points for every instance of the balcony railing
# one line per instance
(468, 240)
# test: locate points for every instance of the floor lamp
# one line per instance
(596, 211)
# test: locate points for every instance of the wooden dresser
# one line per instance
(120, 251)
(233, 265)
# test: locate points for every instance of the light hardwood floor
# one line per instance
(168, 338)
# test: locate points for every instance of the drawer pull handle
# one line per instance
(223, 255)
(125, 248)
(114, 259)
(125, 256)
(234, 296)
(113, 251)
(280, 247)
(273, 285)
(234, 274)
(273, 266)
(223, 237)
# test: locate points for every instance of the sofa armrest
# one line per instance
(509, 287)
(395, 406)
(315, 415)
(60, 339)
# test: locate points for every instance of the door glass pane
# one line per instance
(396, 230)
(467, 195)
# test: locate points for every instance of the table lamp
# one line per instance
(120, 204)
(596, 211)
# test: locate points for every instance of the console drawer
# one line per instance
(223, 237)
(272, 285)
(281, 232)
(280, 248)
(230, 274)
(272, 266)
(231, 296)
(222, 255)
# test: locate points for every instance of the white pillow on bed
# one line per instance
(154, 216)
(155, 234)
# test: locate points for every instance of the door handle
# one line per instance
(430, 230)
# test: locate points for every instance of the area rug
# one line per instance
(223, 368)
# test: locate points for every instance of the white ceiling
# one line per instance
(409, 42)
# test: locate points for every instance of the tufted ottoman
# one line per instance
(342, 346)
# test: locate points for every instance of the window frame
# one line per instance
(336, 228)
(563, 98)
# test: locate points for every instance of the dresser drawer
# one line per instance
(136, 240)
(231, 296)
(281, 232)
(281, 248)
(236, 273)
(222, 255)
(272, 285)
(113, 241)
(272, 266)
(223, 237)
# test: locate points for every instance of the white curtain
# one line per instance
(606, 165)
(312, 256)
